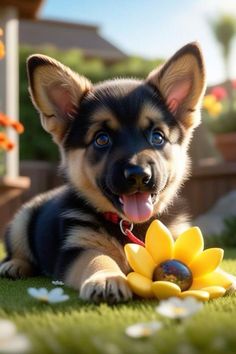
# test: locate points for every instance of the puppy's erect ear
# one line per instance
(181, 81)
(56, 92)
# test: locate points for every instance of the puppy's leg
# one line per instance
(232, 289)
(98, 278)
(18, 263)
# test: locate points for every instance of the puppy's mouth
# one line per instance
(137, 207)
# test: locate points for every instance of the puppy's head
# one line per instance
(123, 142)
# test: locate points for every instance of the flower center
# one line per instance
(175, 272)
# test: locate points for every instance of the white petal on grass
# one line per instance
(142, 330)
(56, 295)
(56, 299)
(10, 340)
(58, 283)
(15, 345)
(7, 329)
(177, 308)
(38, 292)
(56, 292)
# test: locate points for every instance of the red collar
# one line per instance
(114, 218)
(125, 226)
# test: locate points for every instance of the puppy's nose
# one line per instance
(137, 176)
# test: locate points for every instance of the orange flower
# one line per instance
(4, 120)
(3, 137)
(1, 32)
(19, 128)
(2, 50)
(9, 145)
(5, 143)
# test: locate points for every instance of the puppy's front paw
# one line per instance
(15, 269)
(106, 286)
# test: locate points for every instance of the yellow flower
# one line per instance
(2, 50)
(213, 106)
(215, 110)
(164, 268)
(209, 101)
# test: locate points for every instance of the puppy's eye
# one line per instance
(102, 140)
(157, 138)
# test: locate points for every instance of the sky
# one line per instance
(152, 28)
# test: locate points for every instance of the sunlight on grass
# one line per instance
(76, 327)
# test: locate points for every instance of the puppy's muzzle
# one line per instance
(137, 176)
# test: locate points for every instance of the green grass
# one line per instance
(75, 327)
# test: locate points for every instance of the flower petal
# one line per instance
(140, 285)
(17, 344)
(141, 330)
(216, 278)
(165, 289)
(215, 291)
(139, 259)
(175, 307)
(7, 330)
(56, 299)
(206, 262)
(188, 245)
(159, 242)
(37, 292)
(58, 283)
(56, 292)
(197, 294)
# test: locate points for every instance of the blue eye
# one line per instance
(157, 138)
(102, 140)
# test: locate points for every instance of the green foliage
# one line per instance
(224, 29)
(227, 238)
(226, 123)
(35, 143)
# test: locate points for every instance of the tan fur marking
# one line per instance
(98, 278)
(101, 116)
(102, 242)
(18, 227)
(15, 269)
(149, 114)
(177, 167)
(83, 177)
(77, 215)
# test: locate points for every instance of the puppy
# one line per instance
(124, 153)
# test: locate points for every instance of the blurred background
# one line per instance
(105, 39)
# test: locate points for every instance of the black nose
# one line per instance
(137, 176)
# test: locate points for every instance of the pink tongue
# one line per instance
(138, 207)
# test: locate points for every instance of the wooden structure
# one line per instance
(66, 36)
(10, 13)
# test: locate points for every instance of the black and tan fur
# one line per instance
(63, 233)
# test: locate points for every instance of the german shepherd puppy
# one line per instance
(124, 151)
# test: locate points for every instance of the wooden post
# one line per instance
(9, 83)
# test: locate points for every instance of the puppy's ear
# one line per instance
(181, 81)
(56, 92)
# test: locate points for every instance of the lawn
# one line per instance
(75, 327)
